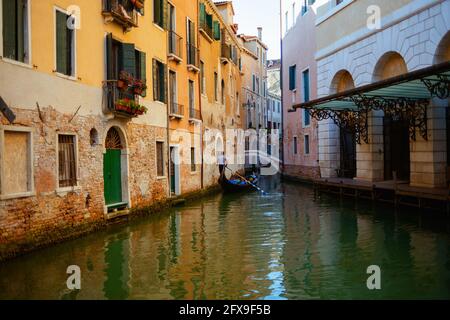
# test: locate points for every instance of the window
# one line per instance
(292, 77)
(257, 85)
(295, 145)
(306, 144)
(65, 45)
(193, 166)
(338, 2)
(16, 162)
(238, 111)
(216, 79)
(222, 87)
(286, 18)
(15, 30)
(159, 81)
(67, 165)
(160, 8)
(160, 158)
(306, 118)
(202, 77)
(191, 99)
(293, 13)
(306, 90)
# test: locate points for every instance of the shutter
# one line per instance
(128, 58)
(217, 30)
(155, 79)
(202, 14)
(164, 84)
(165, 7)
(109, 57)
(21, 14)
(157, 12)
(306, 85)
(292, 72)
(143, 70)
(69, 49)
(9, 29)
(192, 33)
(61, 42)
(209, 21)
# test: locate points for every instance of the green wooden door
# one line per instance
(112, 176)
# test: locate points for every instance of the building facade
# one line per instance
(274, 108)
(300, 136)
(363, 43)
(101, 110)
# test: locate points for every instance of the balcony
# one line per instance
(176, 110)
(175, 47)
(123, 12)
(206, 30)
(193, 58)
(123, 103)
(194, 115)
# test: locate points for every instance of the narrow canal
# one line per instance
(284, 245)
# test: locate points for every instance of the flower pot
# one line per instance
(121, 84)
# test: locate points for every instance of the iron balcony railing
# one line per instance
(112, 95)
(194, 114)
(175, 44)
(193, 55)
(206, 28)
(122, 11)
(176, 109)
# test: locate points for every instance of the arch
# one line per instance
(342, 81)
(113, 139)
(443, 50)
(115, 131)
(390, 64)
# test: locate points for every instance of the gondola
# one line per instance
(238, 185)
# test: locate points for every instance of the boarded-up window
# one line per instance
(67, 161)
(160, 158)
(16, 162)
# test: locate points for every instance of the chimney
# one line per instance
(260, 33)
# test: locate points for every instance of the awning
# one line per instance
(402, 97)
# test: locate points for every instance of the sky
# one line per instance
(251, 14)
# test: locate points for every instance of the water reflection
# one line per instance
(284, 245)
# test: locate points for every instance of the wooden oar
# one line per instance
(252, 184)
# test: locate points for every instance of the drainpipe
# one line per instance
(200, 101)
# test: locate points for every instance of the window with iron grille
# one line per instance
(160, 158)
(67, 172)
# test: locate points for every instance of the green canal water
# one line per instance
(284, 245)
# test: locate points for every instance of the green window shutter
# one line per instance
(62, 64)
(128, 58)
(217, 35)
(109, 57)
(155, 79)
(202, 13)
(20, 30)
(192, 33)
(209, 21)
(165, 16)
(306, 85)
(164, 83)
(143, 69)
(9, 29)
(157, 12)
(292, 75)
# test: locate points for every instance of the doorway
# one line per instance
(174, 171)
(348, 154)
(112, 170)
(396, 149)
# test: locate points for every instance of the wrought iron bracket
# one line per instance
(439, 87)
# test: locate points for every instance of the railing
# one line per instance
(206, 28)
(194, 114)
(112, 94)
(193, 56)
(226, 51)
(175, 44)
(176, 109)
(122, 11)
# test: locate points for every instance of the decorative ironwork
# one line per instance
(438, 87)
(356, 121)
(113, 140)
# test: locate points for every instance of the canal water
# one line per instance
(283, 245)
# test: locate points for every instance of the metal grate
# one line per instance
(67, 161)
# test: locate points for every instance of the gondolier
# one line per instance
(222, 162)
